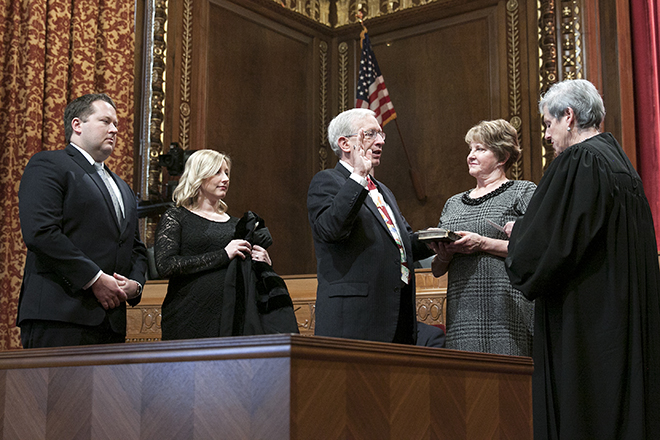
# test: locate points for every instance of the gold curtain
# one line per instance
(52, 51)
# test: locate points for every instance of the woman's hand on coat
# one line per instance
(260, 254)
(239, 248)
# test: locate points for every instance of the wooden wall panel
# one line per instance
(259, 111)
(249, 88)
(443, 77)
(144, 320)
(264, 84)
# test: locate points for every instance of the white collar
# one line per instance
(85, 153)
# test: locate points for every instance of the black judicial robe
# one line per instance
(586, 252)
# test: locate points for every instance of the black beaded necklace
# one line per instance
(479, 200)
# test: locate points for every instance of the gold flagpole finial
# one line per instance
(359, 16)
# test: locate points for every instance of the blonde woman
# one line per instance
(194, 246)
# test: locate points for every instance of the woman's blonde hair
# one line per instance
(201, 165)
(499, 137)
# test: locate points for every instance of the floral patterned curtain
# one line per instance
(52, 51)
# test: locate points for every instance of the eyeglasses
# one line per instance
(369, 135)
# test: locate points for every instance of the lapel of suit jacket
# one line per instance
(369, 203)
(94, 175)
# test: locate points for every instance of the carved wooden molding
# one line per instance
(565, 46)
(571, 40)
(153, 108)
(513, 70)
(317, 10)
(343, 76)
(143, 321)
(347, 9)
(186, 73)
(323, 105)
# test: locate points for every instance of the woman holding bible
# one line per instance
(484, 313)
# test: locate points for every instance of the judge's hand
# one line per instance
(240, 248)
(508, 228)
(362, 164)
(108, 292)
(260, 254)
(130, 287)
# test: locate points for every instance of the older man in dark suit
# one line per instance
(79, 221)
(365, 249)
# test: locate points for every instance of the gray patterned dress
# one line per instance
(484, 313)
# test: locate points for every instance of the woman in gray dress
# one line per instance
(484, 313)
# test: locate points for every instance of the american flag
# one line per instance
(371, 90)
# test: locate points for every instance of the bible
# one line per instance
(437, 234)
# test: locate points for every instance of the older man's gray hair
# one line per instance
(345, 123)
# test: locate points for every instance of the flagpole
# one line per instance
(417, 179)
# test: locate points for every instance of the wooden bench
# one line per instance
(143, 321)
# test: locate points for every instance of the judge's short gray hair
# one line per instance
(578, 94)
(344, 124)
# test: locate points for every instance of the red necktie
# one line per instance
(382, 208)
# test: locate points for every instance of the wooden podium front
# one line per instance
(263, 387)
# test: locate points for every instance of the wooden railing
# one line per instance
(144, 320)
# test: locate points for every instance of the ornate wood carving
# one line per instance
(143, 321)
(186, 64)
(153, 109)
(343, 76)
(571, 36)
(513, 65)
(317, 10)
(347, 9)
(561, 53)
(548, 72)
(323, 105)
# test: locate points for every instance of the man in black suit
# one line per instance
(365, 249)
(79, 221)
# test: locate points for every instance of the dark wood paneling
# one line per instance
(443, 78)
(259, 89)
(259, 112)
(254, 84)
(259, 93)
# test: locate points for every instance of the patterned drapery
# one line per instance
(646, 69)
(52, 51)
